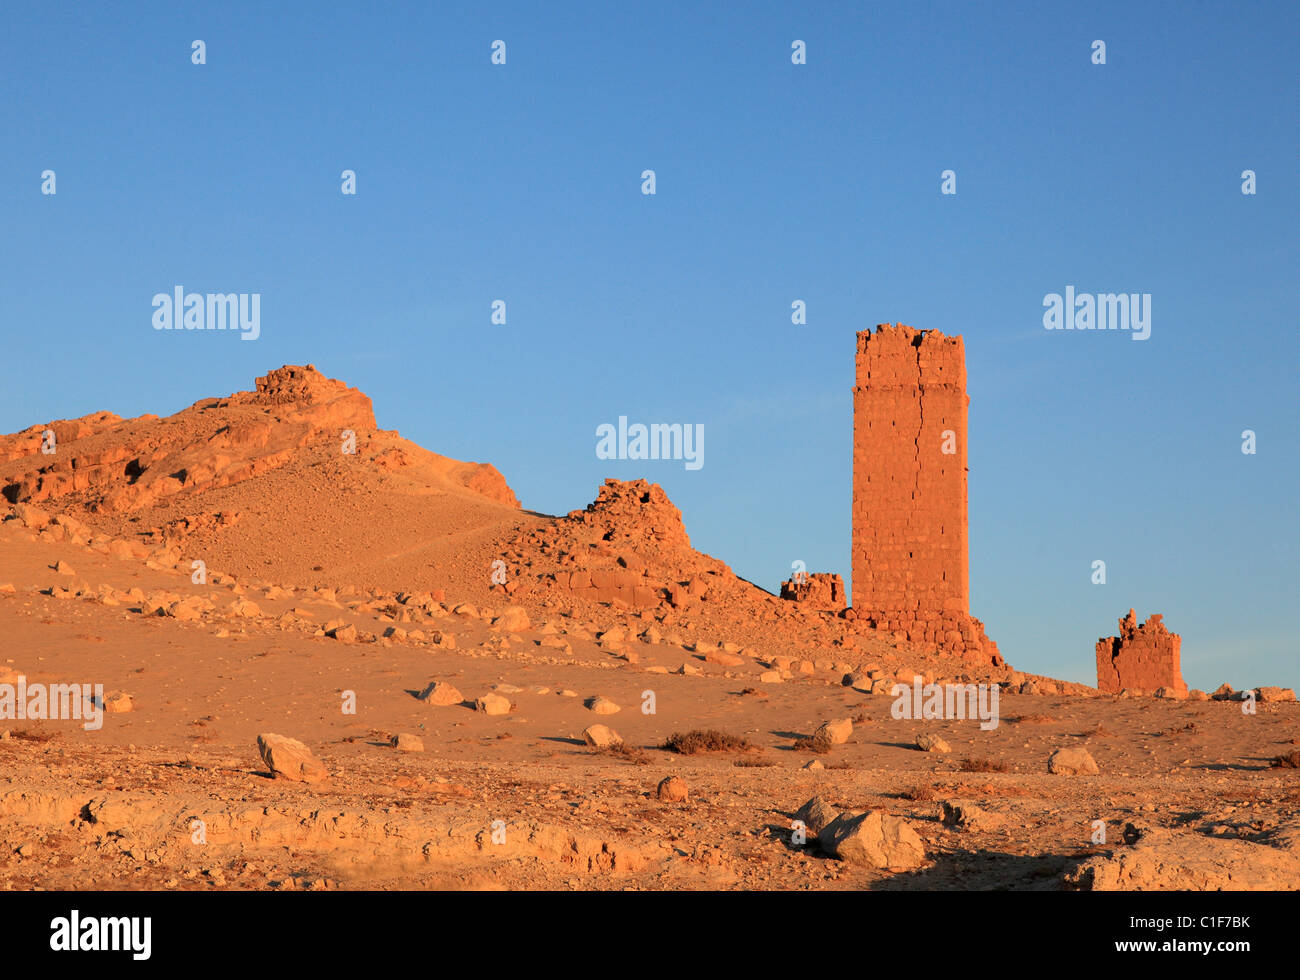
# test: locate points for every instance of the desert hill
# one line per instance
(260, 480)
(259, 485)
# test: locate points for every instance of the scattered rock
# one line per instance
(513, 619)
(118, 702)
(493, 704)
(601, 737)
(441, 693)
(672, 790)
(1162, 860)
(289, 759)
(603, 706)
(875, 839)
(407, 743)
(967, 816)
(836, 731)
(1263, 694)
(1072, 761)
(932, 743)
(247, 609)
(816, 814)
(722, 658)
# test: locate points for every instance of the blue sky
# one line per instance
(775, 182)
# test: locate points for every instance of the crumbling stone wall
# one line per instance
(1143, 657)
(820, 590)
(911, 566)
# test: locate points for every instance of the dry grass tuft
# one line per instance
(983, 765)
(705, 740)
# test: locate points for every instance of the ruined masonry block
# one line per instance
(1143, 657)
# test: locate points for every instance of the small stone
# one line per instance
(603, 706)
(672, 790)
(723, 659)
(601, 737)
(407, 743)
(118, 702)
(816, 814)
(249, 610)
(289, 759)
(932, 743)
(513, 619)
(442, 694)
(1072, 762)
(836, 731)
(967, 816)
(493, 704)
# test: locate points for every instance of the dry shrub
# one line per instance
(817, 744)
(754, 763)
(919, 794)
(986, 789)
(983, 765)
(629, 753)
(705, 740)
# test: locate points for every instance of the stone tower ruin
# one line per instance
(911, 560)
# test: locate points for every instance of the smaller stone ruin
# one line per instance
(821, 590)
(1143, 657)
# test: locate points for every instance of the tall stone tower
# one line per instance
(911, 559)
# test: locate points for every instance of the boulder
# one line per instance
(836, 731)
(672, 790)
(932, 743)
(816, 814)
(603, 706)
(1072, 761)
(493, 704)
(875, 839)
(287, 758)
(442, 694)
(513, 619)
(601, 737)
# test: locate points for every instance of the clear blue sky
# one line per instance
(775, 182)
